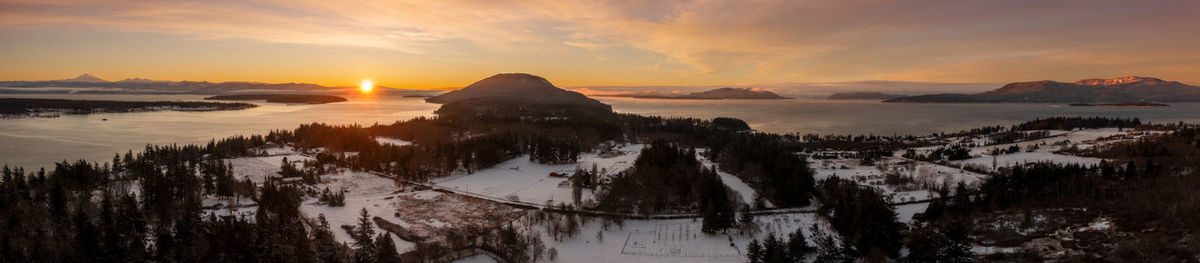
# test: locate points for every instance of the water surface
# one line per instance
(40, 142)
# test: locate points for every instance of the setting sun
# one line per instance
(366, 85)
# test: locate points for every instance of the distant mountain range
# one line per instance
(519, 87)
(1115, 90)
(90, 84)
(713, 94)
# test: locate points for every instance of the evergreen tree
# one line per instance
(754, 251)
(797, 246)
(364, 247)
(327, 248)
(386, 249)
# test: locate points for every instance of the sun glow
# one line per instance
(366, 85)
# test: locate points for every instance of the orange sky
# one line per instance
(451, 43)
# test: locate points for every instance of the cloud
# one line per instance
(771, 40)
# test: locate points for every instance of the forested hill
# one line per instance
(1115, 90)
(519, 88)
(727, 93)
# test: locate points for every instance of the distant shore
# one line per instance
(1122, 105)
(17, 108)
(282, 98)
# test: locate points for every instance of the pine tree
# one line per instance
(774, 250)
(797, 246)
(754, 251)
(386, 249)
(364, 247)
(327, 248)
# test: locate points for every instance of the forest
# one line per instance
(1148, 190)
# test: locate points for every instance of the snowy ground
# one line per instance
(363, 190)
(873, 175)
(678, 240)
(530, 182)
(392, 141)
(1045, 147)
(258, 169)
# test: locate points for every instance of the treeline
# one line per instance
(952, 153)
(1071, 123)
(22, 106)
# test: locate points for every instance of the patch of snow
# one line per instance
(530, 182)
(392, 141)
(675, 240)
(258, 169)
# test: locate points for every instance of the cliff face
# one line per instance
(518, 87)
(1123, 89)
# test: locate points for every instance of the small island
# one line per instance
(863, 96)
(714, 94)
(13, 108)
(1122, 105)
(282, 98)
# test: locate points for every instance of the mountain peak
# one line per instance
(1118, 81)
(86, 78)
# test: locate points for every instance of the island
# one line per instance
(515, 89)
(1088, 91)
(25, 108)
(863, 96)
(713, 94)
(1122, 105)
(282, 98)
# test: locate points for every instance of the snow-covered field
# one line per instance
(363, 190)
(258, 169)
(531, 182)
(677, 240)
(375, 194)
(873, 175)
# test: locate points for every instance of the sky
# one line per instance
(451, 43)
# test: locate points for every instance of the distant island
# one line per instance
(713, 94)
(1088, 91)
(863, 96)
(1122, 105)
(26, 108)
(282, 98)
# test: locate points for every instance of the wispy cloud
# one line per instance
(774, 40)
